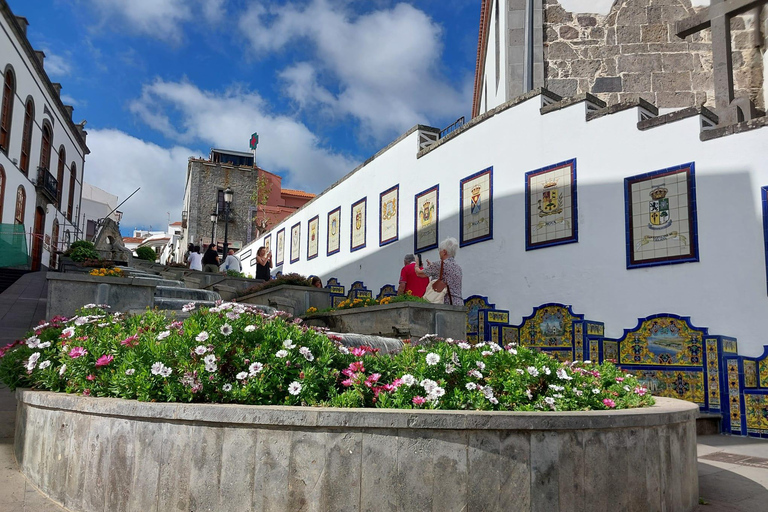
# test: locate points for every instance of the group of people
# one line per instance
(414, 277)
(209, 261)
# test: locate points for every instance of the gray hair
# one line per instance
(449, 245)
(409, 258)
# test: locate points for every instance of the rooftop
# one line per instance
(296, 193)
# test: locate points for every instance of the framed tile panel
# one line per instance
(425, 222)
(295, 242)
(476, 208)
(333, 231)
(280, 251)
(357, 221)
(313, 227)
(389, 215)
(550, 206)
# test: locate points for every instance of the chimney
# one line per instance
(69, 109)
(23, 23)
(57, 86)
(41, 57)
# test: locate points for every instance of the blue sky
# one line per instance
(326, 83)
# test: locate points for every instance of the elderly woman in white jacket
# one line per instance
(451, 271)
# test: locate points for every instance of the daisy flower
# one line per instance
(294, 388)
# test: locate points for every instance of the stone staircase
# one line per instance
(8, 276)
(171, 295)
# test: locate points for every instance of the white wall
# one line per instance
(725, 290)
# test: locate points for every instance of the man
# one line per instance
(211, 259)
(231, 262)
(409, 281)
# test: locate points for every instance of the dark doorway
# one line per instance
(37, 239)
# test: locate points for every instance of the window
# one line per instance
(6, 114)
(90, 230)
(72, 181)
(45, 147)
(60, 176)
(220, 202)
(21, 200)
(26, 135)
(2, 191)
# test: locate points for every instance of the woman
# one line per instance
(195, 258)
(316, 282)
(451, 271)
(263, 263)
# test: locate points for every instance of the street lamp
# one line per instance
(227, 203)
(214, 216)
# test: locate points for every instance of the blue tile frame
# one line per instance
(764, 197)
(352, 248)
(298, 238)
(574, 238)
(277, 238)
(328, 252)
(264, 242)
(382, 243)
(416, 248)
(693, 225)
(316, 219)
(489, 236)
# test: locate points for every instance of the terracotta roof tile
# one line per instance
(297, 193)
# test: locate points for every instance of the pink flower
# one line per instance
(418, 400)
(91, 377)
(104, 360)
(358, 351)
(619, 379)
(372, 379)
(641, 391)
(86, 392)
(77, 352)
(347, 383)
(130, 341)
(609, 403)
(357, 366)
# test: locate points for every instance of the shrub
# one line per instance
(81, 243)
(292, 279)
(146, 253)
(234, 353)
(83, 251)
(235, 273)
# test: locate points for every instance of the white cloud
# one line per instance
(56, 65)
(190, 115)
(382, 68)
(120, 163)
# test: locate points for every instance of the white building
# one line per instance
(42, 151)
(96, 204)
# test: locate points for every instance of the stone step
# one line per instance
(158, 281)
(176, 304)
(385, 345)
(174, 292)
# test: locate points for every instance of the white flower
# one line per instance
(226, 388)
(343, 349)
(626, 388)
(471, 386)
(241, 376)
(547, 370)
(628, 375)
(529, 394)
(494, 400)
(596, 391)
(520, 371)
(587, 362)
(294, 388)
(45, 344)
(210, 367)
(288, 344)
(306, 353)
(33, 342)
(32, 362)
(512, 351)
(488, 391)
(201, 349)
(62, 369)
(449, 340)
(68, 332)
(533, 371)
(487, 353)
(549, 400)
(188, 307)
(157, 368)
(464, 345)
(408, 379)
(226, 329)
(232, 315)
(255, 368)
(554, 387)
(44, 365)
(449, 368)
(282, 353)
(81, 321)
(432, 359)
(428, 385)
(209, 359)
(163, 335)
(579, 392)
(250, 328)
(474, 373)
(562, 374)
(435, 393)
(130, 371)
(480, 365)
(203, 336)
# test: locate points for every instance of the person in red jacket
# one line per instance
(409, 281)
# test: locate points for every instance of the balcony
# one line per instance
(47, 184)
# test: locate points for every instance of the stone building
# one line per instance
(259, 201)
(630, 52)
(42, 153)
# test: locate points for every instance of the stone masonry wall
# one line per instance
(633, 52)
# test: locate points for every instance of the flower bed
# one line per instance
(107, 272)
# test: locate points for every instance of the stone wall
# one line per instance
(633, 52)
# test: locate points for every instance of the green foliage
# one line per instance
(85, 244)
(83, 253)
(235, 273)
(407, 298)
(234, 353)
(146, 253)
(292, 279)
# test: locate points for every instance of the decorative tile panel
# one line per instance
(549, 326)
(685, 385)
(476, 208)
(729, 345)
(578, 341)
(764, 373)
(756, 411)
(550, 206)
(473, 305)
(610, 351)
(388, 290)
(734, 398)
(663, 340)
(510, 335)
(594, 350)
(713, 373)
(750, 373)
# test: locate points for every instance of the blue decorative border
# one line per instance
(352, 248)
(764, 196)
(264, 242)
(574, 238)
(298, 238)
(277, 241)
(245, 255)
(416, 248)
(328, 252)
(316, 219)
(382, 243)
(489, 236)
(693, 225)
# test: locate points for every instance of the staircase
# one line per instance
(8, 276)
(171, 295)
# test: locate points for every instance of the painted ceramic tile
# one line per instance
(756, 409)
(426, 219)
(550, 206)
(661, 226)
(295, 242)
(267, 243)
(663, 341)
(610, 351)
(509, 335)
(730, 346)
(713, 373)
(594, 350)
(550, 326)
(358, 222)
(333, 236)
(687, 385)
(750, 374)
(389, 215)
(313, 236)
(763, 373)
(733, 394)
(280, 252)
(476, 223)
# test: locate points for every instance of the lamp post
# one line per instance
(214, 216)
(227, 203)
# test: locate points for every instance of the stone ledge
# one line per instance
(567, 102)
(746, 126)
(621, 106)
(87, 278)
(677, 116)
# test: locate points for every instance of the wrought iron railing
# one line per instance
(455, 126)
(47, 183)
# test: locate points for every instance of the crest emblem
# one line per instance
(474, 203)
(549, 204)
(658, 209)
(427, 211)
(358, 220)
(333, 227)
(313, 234)
(389, 209)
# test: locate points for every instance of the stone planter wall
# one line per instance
(99, 454)
(295, 300)
(70, 291)
(403, 319)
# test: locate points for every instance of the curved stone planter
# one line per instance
(95, 454)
